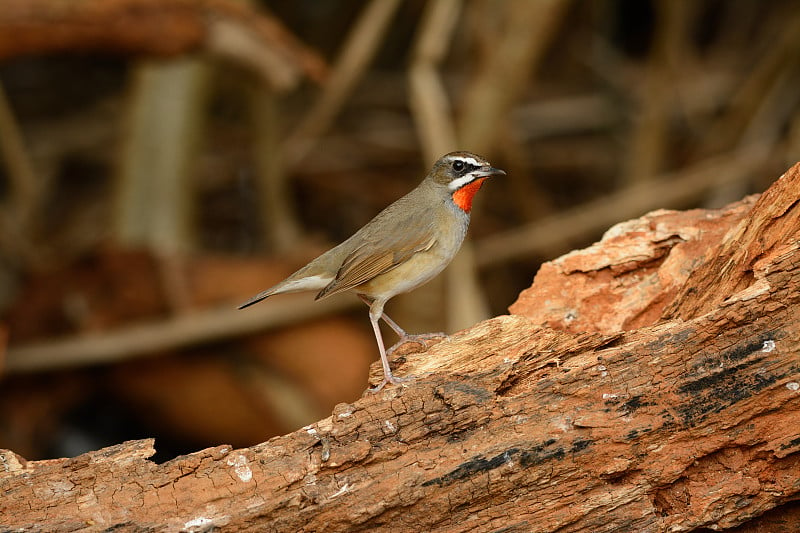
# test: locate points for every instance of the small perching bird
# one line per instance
(404, 246)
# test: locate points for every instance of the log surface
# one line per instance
(648, 383)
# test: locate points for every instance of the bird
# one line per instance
(404, 246)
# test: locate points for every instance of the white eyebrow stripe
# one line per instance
(463, 180)
(468, 160)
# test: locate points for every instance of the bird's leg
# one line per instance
(404, 337)
(375, 313)
(419, 338)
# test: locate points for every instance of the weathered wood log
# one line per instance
(654, 385)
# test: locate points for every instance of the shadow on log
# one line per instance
(648, 383)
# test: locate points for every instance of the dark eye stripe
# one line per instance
(467, 166)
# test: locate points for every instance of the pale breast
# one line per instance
(423, 266)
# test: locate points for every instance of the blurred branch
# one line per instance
(20, 208)
(745, 102)
(506, 69)
(670, 190)
(3, 347)
(357, 52)
(766, 125)
(275, 206)
(262, 44)
(154, 189)
(793, 141)
(163, 28)
(428, 99)
(567, 115)
(168, 334)
(164, 122)
(779, 101)
(647, 139)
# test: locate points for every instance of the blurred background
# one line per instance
(163, 160)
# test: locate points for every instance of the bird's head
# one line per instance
(463, 173)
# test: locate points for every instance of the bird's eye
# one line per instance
(458, 165)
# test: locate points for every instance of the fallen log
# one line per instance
(648, 383)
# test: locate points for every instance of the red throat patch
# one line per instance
(463, 196)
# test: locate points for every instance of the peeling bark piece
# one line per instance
(636, 269)
(742, 260)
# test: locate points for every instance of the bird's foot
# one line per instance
(419, 339)
(394, 380)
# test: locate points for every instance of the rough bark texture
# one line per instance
(653, 385)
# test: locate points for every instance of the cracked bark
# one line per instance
(648, 383)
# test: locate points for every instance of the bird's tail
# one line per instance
(297, 282)
(258, 297)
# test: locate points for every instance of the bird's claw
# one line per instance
(419, 339)
(394, 380)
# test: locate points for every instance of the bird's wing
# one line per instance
(372, 259)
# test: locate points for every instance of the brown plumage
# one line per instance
(404, 246)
